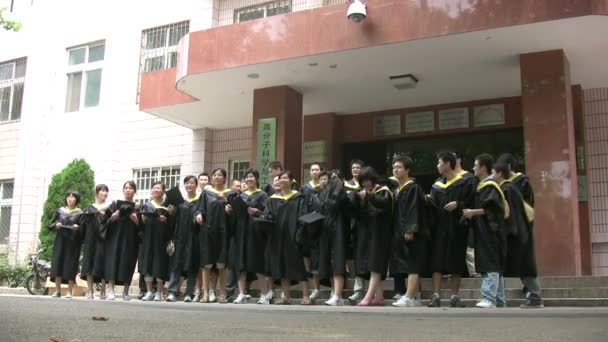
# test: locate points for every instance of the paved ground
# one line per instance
(29, 318)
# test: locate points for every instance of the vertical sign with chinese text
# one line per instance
(267, 139)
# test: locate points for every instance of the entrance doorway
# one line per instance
(424, 151)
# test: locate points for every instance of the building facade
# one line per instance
(152, 91)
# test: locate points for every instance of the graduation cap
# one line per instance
(174, 197)
(311, 218)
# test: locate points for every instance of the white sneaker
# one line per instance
(485, 304)
(397, 296)
(126, 297)
(68, 296)
(400, 302)
(335, 301)
(241, 299)
(188, 299)
(212, 297)
(263, 300)
(157, 297)
(148, 297)
(111, 295)
(197, 295)
(418, 300)
(269, 295)
(357, 296)
(314, 295)
(408, 302)
(171, 298)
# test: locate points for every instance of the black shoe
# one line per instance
(455, 302)
(532, 304)
(435, 301)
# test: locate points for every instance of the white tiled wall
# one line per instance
(596, 106)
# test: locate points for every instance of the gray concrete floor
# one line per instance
(30, 318)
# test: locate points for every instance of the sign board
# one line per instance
(387, 125)
(582, 188)
(419, 122)
(489, 115)
(454, 118)
(314, 151)
(266, 149)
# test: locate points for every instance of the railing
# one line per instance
(236, 11)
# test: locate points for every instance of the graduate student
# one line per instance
(311, 251)
(374, 231)
(275, 168)
(91, 269)
(122, 241)
(211, 214)
(286, 240)
(488, 219)
(68, 241)
(410, 232)
(448, 230)
(352, 187)
(186, 260)
(158, 230)
(521, 256)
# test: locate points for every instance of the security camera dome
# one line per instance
(357, 11)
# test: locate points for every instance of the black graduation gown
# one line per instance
(333, 239)
(490, 243)
(121, 244)
(522, 183)
(468, 200)
(66, 247)
(351, 214)
(374, 232)
(286, 259)
(92, 249)
(154, 260)
(448, 232)
(410, 216)
(213, 235)
(521, 257)
(311, 231)
(186, 259)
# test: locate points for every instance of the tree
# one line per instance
(8, 25)
(78, 176)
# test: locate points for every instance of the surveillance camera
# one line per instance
(357, 11)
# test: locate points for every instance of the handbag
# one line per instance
(170, 248)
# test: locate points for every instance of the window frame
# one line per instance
(11, 83)
(265, 6)
(84, 68)
(144, 183)
(6, 203)
(231, 168)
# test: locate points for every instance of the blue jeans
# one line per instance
(493, 288)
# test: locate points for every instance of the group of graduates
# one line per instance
(285, 234)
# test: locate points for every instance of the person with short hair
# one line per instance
(351, 188)
(311, 250)
(488, 219)
(68, 241)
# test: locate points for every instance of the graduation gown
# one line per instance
(521, 256)
(409, 216)
(66, 247)
(468, 200)
(311, 231)
(186, 259)
(154, 260)
(286, 259)
(121, 244)
(490, 244)
(522, 183)
(93, 244)
(448, 232)
(351, 214)
(374, 232)
(333, 238)
(213, 235)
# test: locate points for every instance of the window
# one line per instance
(262, 10)
(238, 168)
(84, 76)
(145, 177)
(12, 79)
(6, 206)
(159, 46)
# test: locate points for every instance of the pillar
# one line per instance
(551, 160)
(284, 104)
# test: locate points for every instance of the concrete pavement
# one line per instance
(30, 318)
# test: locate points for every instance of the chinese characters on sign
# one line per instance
(267, 138)
(489, 115)
(454, 118)
(387, 125)
(420, 122)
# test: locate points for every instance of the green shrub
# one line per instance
(77, 175)
(13, 275)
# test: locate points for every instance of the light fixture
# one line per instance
(313, 64)
(401, 82)
(254, 75)
(333, 66)
(357, 11)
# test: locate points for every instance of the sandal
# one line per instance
(102, 296)
(91, 296)
(282, 301)
(222, 299)
(305, 301)
(205, 298)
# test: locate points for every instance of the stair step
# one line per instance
(470, 303)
